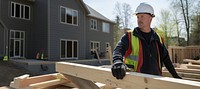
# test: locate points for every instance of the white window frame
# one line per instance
(105, 27)
(20, 16)
(92, 24)
(94, 42)
(66, 8)
(18, 39)
(66, 49)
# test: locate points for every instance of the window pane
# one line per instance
(22, 11)
(17, 10)
(22, 48)
(69, 48)
(62, 15)
(12, 9)
(106, 27)
(17, 46)
(91, 45)
(22, 35)
(75, 17)
(12, 47)
(27, 10)
(75, 49)
(95, 24)
(12, 34)
(17, 34)
(69, 16)
(62, 49)
(91, 23)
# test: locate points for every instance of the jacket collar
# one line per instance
(138, 34)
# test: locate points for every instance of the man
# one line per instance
(141, 50)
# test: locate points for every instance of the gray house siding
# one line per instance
(60, 31)
(98, 35)
(40, 32)
(2, 41)
(15, 23)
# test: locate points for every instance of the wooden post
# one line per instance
(97, 55)
(110, 54)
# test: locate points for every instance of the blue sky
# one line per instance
(106, 7)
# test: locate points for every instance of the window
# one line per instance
(68, 16)
(69, 49)
(20, 11)
(106, 27)
(93, 24)
(94, 45)
(107, 46)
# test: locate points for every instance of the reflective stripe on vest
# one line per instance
(134, 54)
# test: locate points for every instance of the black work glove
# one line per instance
(178, 77)
(118, 69)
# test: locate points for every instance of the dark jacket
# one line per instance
(150, 53)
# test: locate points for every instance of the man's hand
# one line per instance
(118, 69)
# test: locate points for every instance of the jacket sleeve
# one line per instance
(168, 63)
(121, 48)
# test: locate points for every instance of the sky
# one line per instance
(106, 8)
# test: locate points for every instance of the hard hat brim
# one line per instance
(145, 13)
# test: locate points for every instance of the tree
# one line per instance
(124, 13)
(117, 29)
(176, 22)
(195, 31)
(185, 7)
(165, 25)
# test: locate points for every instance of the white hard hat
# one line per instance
(145, 8)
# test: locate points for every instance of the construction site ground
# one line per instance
(14, 68)
(8, 71)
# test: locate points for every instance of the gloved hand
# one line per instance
(118, 69)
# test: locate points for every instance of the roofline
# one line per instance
(102, 19)
(85, 7)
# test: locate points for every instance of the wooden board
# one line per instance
(192, 61)
(42, 81)
(132, 80)
(182, 74)
(195, 71)
(193, 66)
(82, 83)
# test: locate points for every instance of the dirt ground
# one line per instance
(8, 71)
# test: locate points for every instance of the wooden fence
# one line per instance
(177, 53)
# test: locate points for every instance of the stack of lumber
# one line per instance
(188, 74)
(192, 64)
(79, 76)
(189, 71)
(48, 81)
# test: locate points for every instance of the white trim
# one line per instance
(65, 40)
(105, 27)
(20, 16)
(72, 10)
(95, 42)
(17, 39)
(92, 23)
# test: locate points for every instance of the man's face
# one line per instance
(144, 20)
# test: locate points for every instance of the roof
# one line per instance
(95, 14)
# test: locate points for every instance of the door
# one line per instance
(17, 42)
(17, 48)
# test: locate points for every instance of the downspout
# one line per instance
(48, 29)
(85, 40)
